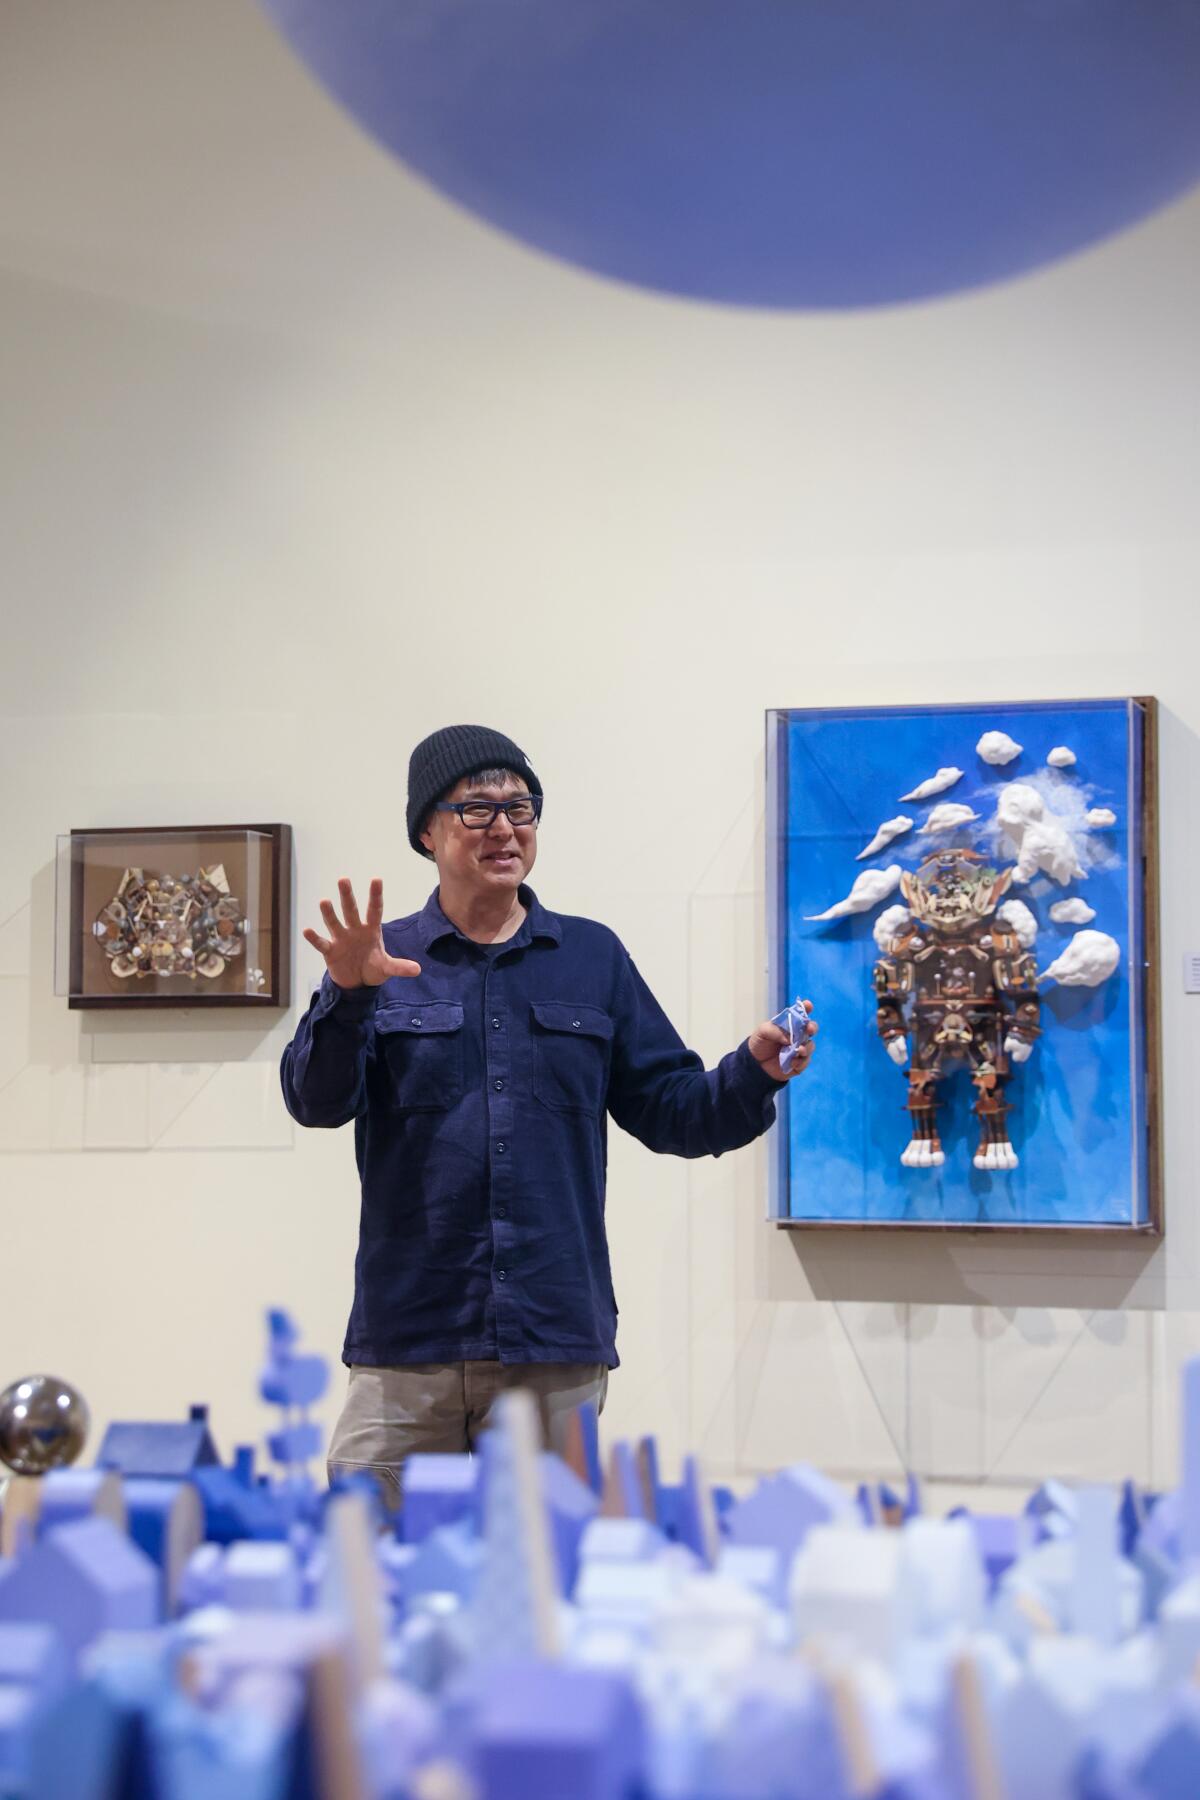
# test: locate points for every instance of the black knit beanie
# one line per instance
(445, 757)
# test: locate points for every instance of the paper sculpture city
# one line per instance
(530, 1628)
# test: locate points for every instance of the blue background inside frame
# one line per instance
(1078, 1104)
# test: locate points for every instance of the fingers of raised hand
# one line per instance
(332, 923)
(349, 903)
(375, 904)
(317, 941)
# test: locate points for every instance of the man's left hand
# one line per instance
(767, 1040)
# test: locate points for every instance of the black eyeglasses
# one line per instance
(477, 815)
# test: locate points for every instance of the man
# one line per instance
(478, 1046)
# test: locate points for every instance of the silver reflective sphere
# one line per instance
(43, 1424)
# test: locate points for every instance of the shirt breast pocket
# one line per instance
(421, 1050)
(572, 1049)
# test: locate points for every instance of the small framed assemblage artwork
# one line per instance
(174, 916)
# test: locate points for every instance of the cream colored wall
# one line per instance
(297, 463)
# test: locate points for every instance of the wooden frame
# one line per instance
(277, 925)
(1153, 1226)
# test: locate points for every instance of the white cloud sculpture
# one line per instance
(1062, 758)
(1022, 920)
(936, 784)
(872, 886)
(891, 828)
(887, 927)
(1072, 912)
(997, 748)
(1101, 815)
(1042, 840)
(948, 817)
(1090, 958)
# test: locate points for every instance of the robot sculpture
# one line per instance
(955, 980)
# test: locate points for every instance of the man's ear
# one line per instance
(426, 838)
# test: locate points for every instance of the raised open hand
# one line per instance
(353, 951)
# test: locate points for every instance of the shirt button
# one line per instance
(495, 1024)
(500, 1149)
(414, 1021)
(497, 1085)
(501, 1274)
(502, 1212)
(575, 1023)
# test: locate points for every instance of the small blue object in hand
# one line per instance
(793, 1020)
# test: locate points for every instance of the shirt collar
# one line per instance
(433, 924)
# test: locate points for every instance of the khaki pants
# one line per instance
(440, 1407)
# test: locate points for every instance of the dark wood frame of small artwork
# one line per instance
(280, 924)
(1155, 1225)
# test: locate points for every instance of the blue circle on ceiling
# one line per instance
(779, 153)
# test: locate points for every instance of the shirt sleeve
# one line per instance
(324, 1067)
(662, 1094)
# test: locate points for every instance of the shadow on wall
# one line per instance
(1001, 1273)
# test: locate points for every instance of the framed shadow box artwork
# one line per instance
(178, 916)
(968, 894)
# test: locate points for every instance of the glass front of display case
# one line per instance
(184, 917)
(968, 895)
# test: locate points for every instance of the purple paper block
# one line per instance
(294, 1381)
(998, 1538)
(75, 1747)
(207, 1753)
(149, 1504)
(647, 1452)
(1052, 1507)
(781, 1739)
(295, 1443)
(590, 1427)
(1190, 1485)
(34, 1672)
(447, 1562)
(161, 1450)
(570, 1507)
(1171, 1768)
(233, 1511)
(724, 1500)
(624, 1462)
(67, 1495)
(543, 1729)
(694, 1512)
(783, 1508)
(33, 1656)
(261, 1577)
(759, 1567)
(621, 1540)
(19, 1707)
(438, 1490)
(83, 1579)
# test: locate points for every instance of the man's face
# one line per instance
(496, 858)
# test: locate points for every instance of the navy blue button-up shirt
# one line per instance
(479, 1092)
